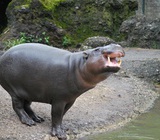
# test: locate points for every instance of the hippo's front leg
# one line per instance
(57, 116)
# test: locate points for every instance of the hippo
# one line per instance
(34, 72)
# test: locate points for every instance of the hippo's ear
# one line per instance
(85, 55)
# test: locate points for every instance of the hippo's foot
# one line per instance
(31, 113)
(25, 119)
(30, 119)
(37, 118)
(18, 106)
(59, 132)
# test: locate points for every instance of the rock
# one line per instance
(48, 137)
(140, 32)
(34, 22)
(73, 20)
(3, 17)
(96, 41)
(91, 18)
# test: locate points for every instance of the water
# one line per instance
(145, 127)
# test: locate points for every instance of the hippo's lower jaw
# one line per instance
(111, 69)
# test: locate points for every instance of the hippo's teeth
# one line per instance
(119, 62)
(109, 60)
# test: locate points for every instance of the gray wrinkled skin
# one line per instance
(39, 73)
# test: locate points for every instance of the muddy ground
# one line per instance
(113, 103)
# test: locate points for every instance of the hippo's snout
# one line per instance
(113, 54)
(113, 50)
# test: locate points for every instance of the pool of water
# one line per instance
(145, 127)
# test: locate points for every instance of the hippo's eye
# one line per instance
(97, 49)
(85, 55)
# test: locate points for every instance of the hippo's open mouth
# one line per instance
(113, 59)
(113, 62)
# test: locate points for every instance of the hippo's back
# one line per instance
(32, 55)
(33, 67)
(35, 49)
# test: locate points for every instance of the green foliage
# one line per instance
(13, 42)
(66, 41)
(85, 18)
(24, 38)
(51, 4)
(156, 45)
(27, 1)
(24, 4)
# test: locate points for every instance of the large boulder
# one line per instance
(69, 22)
(140, 32)
(32, 22)
(96, 41)
(3, 17)
(87, 18)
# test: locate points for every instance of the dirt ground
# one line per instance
(113, 103)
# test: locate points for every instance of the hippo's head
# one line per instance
(104, 60)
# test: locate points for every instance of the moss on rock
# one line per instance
(71, 20)
(51, 4)
(33, 19)
(83, 19)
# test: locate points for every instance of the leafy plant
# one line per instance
(27, 38)
(46, 38)
(13, 42)
(155, 45)
(66, 41)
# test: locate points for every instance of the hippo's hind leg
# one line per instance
(18, 106)
(30, 112)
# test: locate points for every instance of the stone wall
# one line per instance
(151, 8)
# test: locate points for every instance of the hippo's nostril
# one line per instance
(106, 52)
